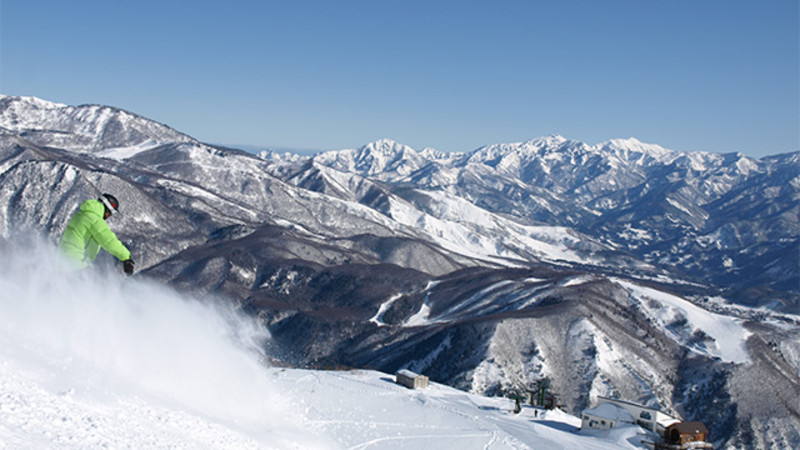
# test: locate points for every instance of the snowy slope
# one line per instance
(91, 360)
(724, 336)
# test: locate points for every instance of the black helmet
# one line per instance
(111, 202)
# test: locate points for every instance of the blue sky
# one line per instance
(707, 75)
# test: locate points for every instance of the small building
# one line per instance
(649, 418)
(686, 435)
(411, 380)
(605, 416)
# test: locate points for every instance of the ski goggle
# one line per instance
(108, 205)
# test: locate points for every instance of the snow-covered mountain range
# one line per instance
(718, 219)
(619, 269)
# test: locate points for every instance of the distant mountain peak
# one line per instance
(381, 156)
(634, 150)
(386, 147)
(626, 142)
(633, 144)
(34, 101)
(550, 140)
(84, 128)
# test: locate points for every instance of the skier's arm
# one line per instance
(108, 240)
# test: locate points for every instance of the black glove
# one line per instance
(127, 265)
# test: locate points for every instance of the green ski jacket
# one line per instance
(87, 232)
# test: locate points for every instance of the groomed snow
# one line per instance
(121, 153)
(685, 320)
(378, 317)
(90, 359)
(461, 227)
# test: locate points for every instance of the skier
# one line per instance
(87, 232)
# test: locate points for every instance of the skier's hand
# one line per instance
(128, 266)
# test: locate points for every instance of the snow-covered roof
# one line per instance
(611, 412)
(626, 402)
(407, 373)
(668, 421)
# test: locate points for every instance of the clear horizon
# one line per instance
(716, 76)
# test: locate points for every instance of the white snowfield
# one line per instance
(122, 153)
(723, 337)
(94, 360)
